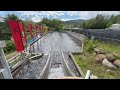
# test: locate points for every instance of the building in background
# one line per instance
(1, 19)
(115, 27)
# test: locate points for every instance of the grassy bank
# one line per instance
(8, 56)
(108, 47)
(86, 60)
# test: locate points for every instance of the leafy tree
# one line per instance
(100, 22)
(4, 27)
(109, 24)
(10, 17)
(54, 24)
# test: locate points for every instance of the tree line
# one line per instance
(101, 22)
(54, 24)
(98, 22)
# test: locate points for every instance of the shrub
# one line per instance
(10, 46)
(88, 45)
(52, 29)
(85, 41)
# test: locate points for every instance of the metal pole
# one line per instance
(87, 74)
(21, 56)
(38, 46)
(5, 69)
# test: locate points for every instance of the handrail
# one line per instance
(9, 60)
(37, 39)
(23, 50)
(13, 57)
(26, 51)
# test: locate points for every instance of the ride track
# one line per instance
(58, 63)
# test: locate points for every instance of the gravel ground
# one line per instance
(68, 44)
(33, 69)
(76, 40)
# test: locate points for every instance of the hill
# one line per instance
(75, 21)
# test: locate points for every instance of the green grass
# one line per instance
(86, 61)
(8, 56)
(10, 47)
(13, 54)
(96, 69)
(109, 47)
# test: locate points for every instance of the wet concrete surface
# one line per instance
(54, 44)
(56, 73)
(56, 69)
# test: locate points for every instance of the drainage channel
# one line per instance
(56, 66)
(33, 69)
(71, 64)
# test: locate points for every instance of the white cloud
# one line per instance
(91, 14)
(72, 13)
(38, 15)
(35, 19)
(63, 15)
(64, 19)
(109, 12)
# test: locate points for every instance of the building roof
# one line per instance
(116, 24)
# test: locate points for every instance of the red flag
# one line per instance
(30, 29)
(35, 27)
(23, 32)
(38, 28)
(16, 34)
(37, 31)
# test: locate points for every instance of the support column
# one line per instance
(5, 72)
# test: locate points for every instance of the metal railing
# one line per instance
(20, 58)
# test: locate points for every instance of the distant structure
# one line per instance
(115, 26)
(1, 19)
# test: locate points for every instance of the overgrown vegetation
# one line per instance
(86, 59)
(10, 46)
(88, 45)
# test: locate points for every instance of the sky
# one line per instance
(37, 16)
